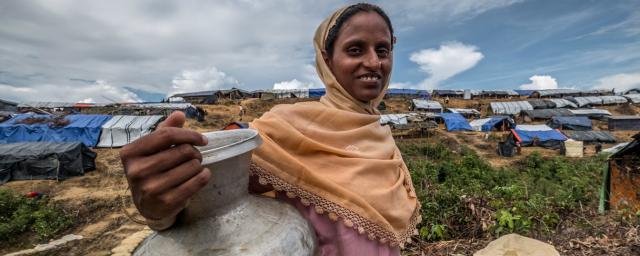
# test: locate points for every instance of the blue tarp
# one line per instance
(542, 136)
(407, 92)
(525, 92)
(316, 93)
(81, 128)
(455, 122)
(489, 125)
(579, 123)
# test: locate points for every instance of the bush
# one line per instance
(463, 196)
(19, 215)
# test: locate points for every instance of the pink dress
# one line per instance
(334, 238)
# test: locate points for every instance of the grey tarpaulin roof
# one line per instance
(34, 104)
(613, 99)
(122, 130)
(286, 93)
(546, 113)
(426, 104)
(551, 92)
(394, 119)
(561, 103)
(469, 111)
(584, 101)
(591, 136)
(510, 108)
(634, 98)
(541, 104)
(160, 105)
(590, 112)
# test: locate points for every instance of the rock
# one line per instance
(517, 245)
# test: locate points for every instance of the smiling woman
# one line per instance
(331, 159)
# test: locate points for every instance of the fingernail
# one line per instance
(205, 140)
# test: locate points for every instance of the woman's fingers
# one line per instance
(173, 178)
(187, 189)
(162, 139)
(175, 119)
(164, 161)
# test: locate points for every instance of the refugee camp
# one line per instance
(409, 128)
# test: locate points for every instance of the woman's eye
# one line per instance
(353, 51)
(383, 52)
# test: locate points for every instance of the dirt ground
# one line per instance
(100, 205)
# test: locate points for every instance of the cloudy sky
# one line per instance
(102, 51)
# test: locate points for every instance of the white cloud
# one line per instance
(621, 82)
(293, 84)
(100, 90)
(540, 83)
(443, 63)
(310, 80)
(201, 80)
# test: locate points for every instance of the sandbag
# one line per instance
(517, 245)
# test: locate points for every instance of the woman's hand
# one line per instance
(164, 170)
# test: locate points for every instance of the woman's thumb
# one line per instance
(176, 119)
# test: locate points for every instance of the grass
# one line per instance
(20, 216)
(463, 196)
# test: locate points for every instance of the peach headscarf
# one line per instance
(334, 155)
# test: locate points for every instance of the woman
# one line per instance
(330, 159)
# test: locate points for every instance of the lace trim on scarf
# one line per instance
(335, 211)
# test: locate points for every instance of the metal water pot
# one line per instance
(224, 219)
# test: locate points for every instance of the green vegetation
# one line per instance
(20, 215)
(463, 196)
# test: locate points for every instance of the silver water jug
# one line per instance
(224, 219)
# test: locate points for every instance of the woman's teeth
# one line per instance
(369, 78)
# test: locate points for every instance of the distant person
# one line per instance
(598, 148)
(342, 167)
(242, 112)
(446, 100)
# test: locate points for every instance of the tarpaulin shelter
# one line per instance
(122, 130)
(543, 137)
(510, 108)
(621, 181)
(586, 101)
(466, 112)
(44, 160)
(578, 123)
(500, 123)
(525, 93)
(393, 119)
(543, 114)
(558, 93)
(541, 104)
(591, 136)
(633, 98)
(633, 91)
(624, 123)
(426, 105)
(448, 93)
(592, 113)
(455, 122)
(562, 103)
(82, 128)
(609, 100)
(316, 92)
(396, 92)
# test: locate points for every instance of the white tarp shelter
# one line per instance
(583, 101)
(510, 108)
(606, 100)
(394, 119)
(122, 130)
(563, 103)
(426, 105)
(633, 98)
(533, 127)
(590, 111)
(478, 123)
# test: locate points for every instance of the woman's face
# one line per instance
(362, 56)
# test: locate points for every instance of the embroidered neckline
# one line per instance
(336, 212)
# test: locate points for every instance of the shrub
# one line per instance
(19, 215)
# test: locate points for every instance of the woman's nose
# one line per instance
(372, 61)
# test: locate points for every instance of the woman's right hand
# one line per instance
(164, 170)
